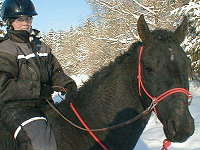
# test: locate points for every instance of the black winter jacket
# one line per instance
(23, 69)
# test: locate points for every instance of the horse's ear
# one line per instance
(143, 29)
(181, 31)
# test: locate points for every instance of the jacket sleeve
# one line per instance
(59, 78)
(12, 88)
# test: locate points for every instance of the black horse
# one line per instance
(116, 94)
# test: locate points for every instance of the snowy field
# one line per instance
(153, 134)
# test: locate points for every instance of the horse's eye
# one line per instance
(148, 69)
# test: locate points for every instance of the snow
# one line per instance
(185, 9)
(80, 79)
(153, 134)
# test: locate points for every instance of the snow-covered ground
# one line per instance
(153, 134)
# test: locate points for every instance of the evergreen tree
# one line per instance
(192, 42)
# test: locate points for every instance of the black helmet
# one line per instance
(16, 8)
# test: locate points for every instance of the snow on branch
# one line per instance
(114, 40)
(185, 9)
(144, 7)
(107, 5)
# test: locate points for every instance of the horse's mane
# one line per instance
(162, 34)
(96, 78)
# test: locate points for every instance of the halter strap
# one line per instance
(156, 100)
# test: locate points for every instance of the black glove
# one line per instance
(45, 91)
(71, 87)
(71, 92)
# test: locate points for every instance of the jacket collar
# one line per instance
(19, 36)
(22, 36)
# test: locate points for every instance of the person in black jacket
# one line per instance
(28, 71)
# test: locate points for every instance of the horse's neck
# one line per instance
(113, 92)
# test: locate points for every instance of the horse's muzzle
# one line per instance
(179, 131)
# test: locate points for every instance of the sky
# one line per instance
(60, 15)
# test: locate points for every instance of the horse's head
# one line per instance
(165, 66)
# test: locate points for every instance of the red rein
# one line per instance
(155, 101)
(88, 129)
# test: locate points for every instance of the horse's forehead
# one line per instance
(164, 42)
(164, 47)
(163, 35)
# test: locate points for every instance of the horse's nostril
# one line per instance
(170, 129)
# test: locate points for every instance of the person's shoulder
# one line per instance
(2, 39)
(6, 45)
(4, 42)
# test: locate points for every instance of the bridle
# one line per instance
(155, 101)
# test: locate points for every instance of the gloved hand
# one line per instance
(45, 91)
(71, 87)
(68, 88)
(71, 92)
